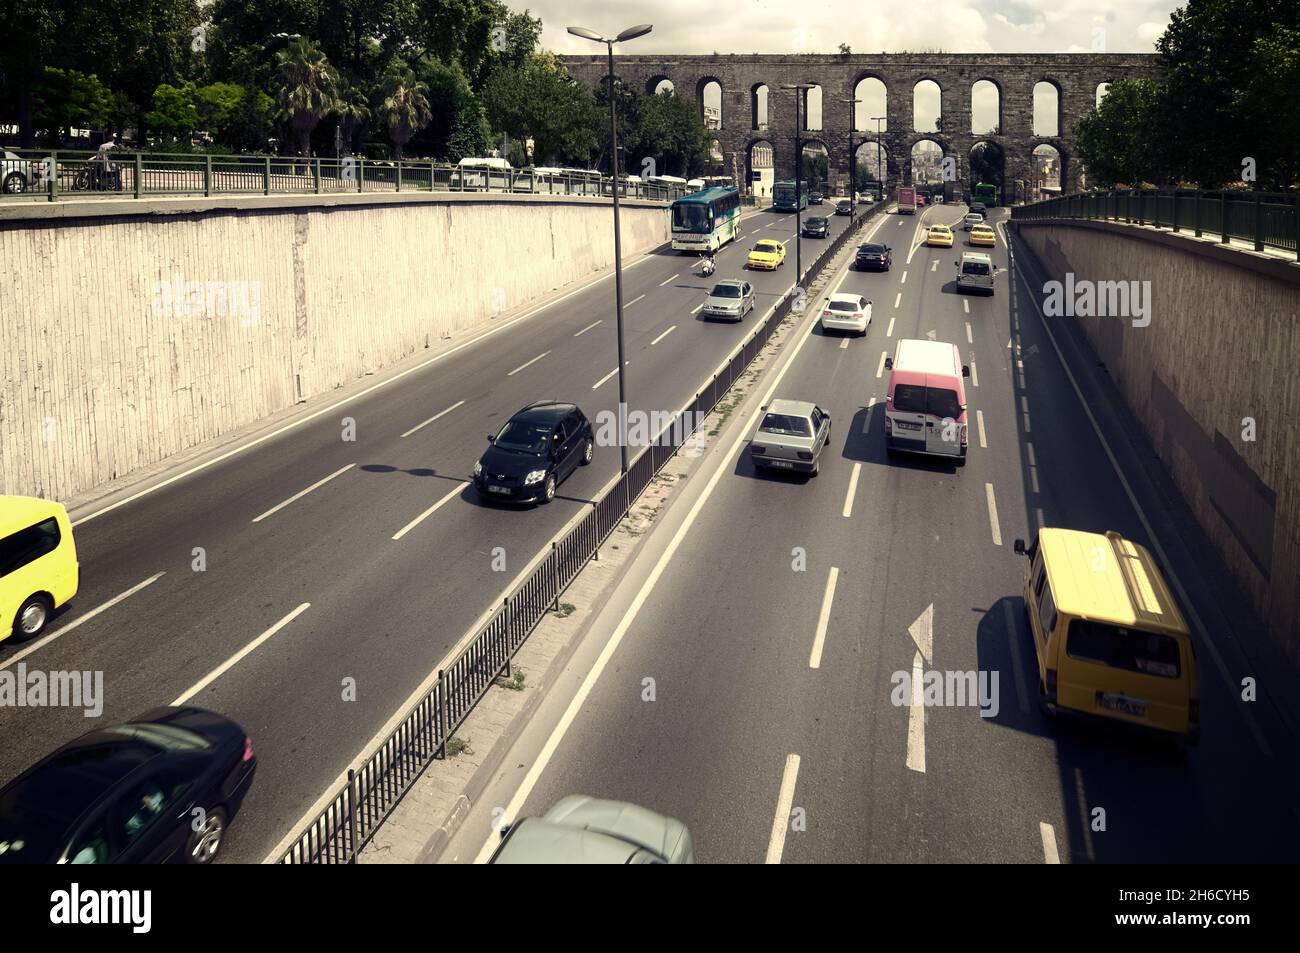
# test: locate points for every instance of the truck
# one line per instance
(906, 200)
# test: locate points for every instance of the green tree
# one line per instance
(306, 90)
(65, 99)
(174, 116)
(353, 112)
(538, 99)
(404, 108)
(1117, 141)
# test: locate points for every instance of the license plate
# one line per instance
(782, 463)
(498, 489)
(1123, 704)
(906, 425)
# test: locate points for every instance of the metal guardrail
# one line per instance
(53, 176)
(350, 818)
(1266, 219)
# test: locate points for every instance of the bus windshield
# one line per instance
(691, 217)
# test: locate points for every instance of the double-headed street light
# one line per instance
(800, 89)
(629, 34)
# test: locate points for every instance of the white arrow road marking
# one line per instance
(916, 720)
(922, 632)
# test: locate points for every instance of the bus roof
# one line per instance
(705, 196)
(1107, 578)
(487, 163)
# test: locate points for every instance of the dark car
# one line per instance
(844, 208)
(533, 453)
(815, 198)
(978, 207)
(816, 227)
(873, 256)
(159, 789)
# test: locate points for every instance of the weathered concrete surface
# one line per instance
(1214, 381)
(129, 335)
(1075, 75)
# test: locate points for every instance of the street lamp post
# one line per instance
(799, 89)
(629, 34)
(853, 160)
(879, 153)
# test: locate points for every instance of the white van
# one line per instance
(480, 175)
(925, 410)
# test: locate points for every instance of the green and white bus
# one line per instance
(784, 200)
(704, 221)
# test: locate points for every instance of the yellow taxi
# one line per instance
(983, 235)
(38, 564)
(939, 236)
(1111, 643)
(767, 254)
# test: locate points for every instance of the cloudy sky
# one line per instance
(867, 26)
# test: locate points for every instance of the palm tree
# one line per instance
(306, 89)
(353, 110)
(405, 106)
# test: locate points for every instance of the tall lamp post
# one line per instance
(629, 34)
(853, 161)
(799, 90)
(879, 155)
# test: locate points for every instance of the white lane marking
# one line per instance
(1050, 855)
(673, 278)
(1033, 461)
(853, 485)
(823, 619)
(1033, 480)
(1170, 574)
(866, 420)
(889, 331)
(234, 659)
(934, 264)
(974, 374)
(965, 305)
(664, 335)
(1039, 519)
(1028, 429)
(897, 300)
(301, 493)
(903, 281)
(881, 369)
(620, 631)
(57, 633)
(430, 511)
(784, 804)
(1017, 667)
(844, 344)
(696, 309)
(993, 514)
(916, 719)
(533, 361)
(969, 338)
(979, 419)
(433, 418)
(588, 328)
(632, 302)
(608, 376)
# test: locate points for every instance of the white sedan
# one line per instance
(846, 312)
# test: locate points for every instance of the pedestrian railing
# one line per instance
(61, 175)
(351, 817)
(1265, 219)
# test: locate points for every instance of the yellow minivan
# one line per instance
(38, 564)
(1110, 640)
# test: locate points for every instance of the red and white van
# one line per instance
(925, 411)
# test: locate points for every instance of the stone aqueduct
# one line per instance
(1076, 77)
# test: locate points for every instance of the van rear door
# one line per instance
(942, 412)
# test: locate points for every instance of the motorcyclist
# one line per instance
(709, 265)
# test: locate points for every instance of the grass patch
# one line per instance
(458, 746)
(516, 681)
(566, 609)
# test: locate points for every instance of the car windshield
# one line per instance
(786, 424)
(725, 291)
(523, 436)
(842, 306)
(975, 268)
(1131, 649)
(872, 249)
(765, 248)
(816, 221)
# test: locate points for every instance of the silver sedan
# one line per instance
(791, 436)
(731, 299)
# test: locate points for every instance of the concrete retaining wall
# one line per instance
(1222, 350)
(132, 331)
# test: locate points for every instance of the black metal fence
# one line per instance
(352, 816)
(1266, 219)
(51, 176)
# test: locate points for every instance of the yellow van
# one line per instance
(38, 564)
(1110, 641)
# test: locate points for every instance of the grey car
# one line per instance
(587, 830)
(731, 299)
(791, 436)
(975, 273)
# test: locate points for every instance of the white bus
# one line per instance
(705, 221)
(481, 174)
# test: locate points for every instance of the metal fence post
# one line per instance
(139, 173)
(1196, 213)
(595, 508)
(1223, 215)
(315, 175)
(207, 175)
(53, 172)
(266, 176)
(441, 689)
(352, 816)
(555, 575)
(399, 177)
(361, 173)
(505, 614)
(1259, 221)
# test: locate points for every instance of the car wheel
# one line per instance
(588, 451)
(205, 843)
(15, 182)
(548, 493)
(32, 616)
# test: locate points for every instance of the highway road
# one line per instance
(331, 563)
(772, 681)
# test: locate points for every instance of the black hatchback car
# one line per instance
(844, 208)
(533, 453)
(816, 227)
(815, 198)
(873, 257)
(159, 789)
